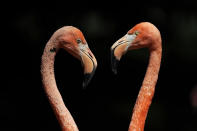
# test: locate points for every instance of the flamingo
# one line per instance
(141, 35)
(72, 40)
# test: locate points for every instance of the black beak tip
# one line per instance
(87, 79)
(114, 71)
(114, 62)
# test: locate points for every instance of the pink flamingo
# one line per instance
(142, 35)
(72, 40)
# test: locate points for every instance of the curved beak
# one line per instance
(114, 62)
(89, 63)
(119, 48)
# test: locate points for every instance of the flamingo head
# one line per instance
(142, 35)
(73, 41)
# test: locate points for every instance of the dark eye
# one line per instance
(78, 41)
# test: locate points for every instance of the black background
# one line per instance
(108, 101)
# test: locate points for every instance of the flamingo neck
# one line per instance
(48, 78)
(146, 92)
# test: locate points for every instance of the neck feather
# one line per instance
(48, 78)
(146, 92)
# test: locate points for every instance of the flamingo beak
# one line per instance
(114, 62)
(88, 78)
(119, 48)
(89, 63)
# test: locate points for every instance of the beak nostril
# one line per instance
(90, 54)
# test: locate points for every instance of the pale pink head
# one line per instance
(72, 40)
(142, 35)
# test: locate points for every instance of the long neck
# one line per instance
(146, 92)
(47, 70)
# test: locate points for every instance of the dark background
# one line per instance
(107, 103)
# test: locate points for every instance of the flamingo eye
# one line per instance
(78, 41)
(136, 33)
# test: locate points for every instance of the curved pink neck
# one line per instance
(146, 92)
(64, 117)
